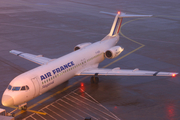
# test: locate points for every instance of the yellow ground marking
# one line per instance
(58, 92)
(13, 107)
(16, 108)
(42, 113)
(128, 37)
(142, 45)
(123, 56)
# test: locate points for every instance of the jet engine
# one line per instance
(113, 52)
(82, 45)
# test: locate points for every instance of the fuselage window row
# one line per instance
(62, 73)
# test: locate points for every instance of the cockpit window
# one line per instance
(16, 88)
(27, 88)
(9, 87)
(23, 88)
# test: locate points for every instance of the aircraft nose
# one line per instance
(7, 100)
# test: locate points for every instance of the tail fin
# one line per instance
(116, 26)
(115, 29)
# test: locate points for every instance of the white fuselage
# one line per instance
(45, 77)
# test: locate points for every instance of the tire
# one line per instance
(96, 80)
(92, 80)
(24, 107)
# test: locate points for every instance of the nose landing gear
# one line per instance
(23, 106)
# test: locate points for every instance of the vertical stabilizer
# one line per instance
(116, 25)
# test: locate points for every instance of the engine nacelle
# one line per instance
(82, 45)
(113, 52)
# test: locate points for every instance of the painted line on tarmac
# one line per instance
(142, 45)
(123, 56)
(58, 92)
(42, 113)
(47, 98)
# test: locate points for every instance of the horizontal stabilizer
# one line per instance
(124, 15)
(115, 29)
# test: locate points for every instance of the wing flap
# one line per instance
(39, 59)
(124, 72)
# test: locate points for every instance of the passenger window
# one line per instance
(9, 87)
(23, 88)
(27, 88)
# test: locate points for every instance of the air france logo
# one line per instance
(57, 70)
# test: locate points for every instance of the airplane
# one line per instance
(83, 61)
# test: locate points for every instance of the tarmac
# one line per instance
(54, 28)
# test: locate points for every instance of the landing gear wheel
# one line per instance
(94, 80)
(24, 107)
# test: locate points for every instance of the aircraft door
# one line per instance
(83, 62)
(36, 86)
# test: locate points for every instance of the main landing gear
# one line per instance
(95, 79)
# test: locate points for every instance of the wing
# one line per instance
(121, 72)
(39, 59)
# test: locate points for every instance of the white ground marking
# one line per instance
(75, 99)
